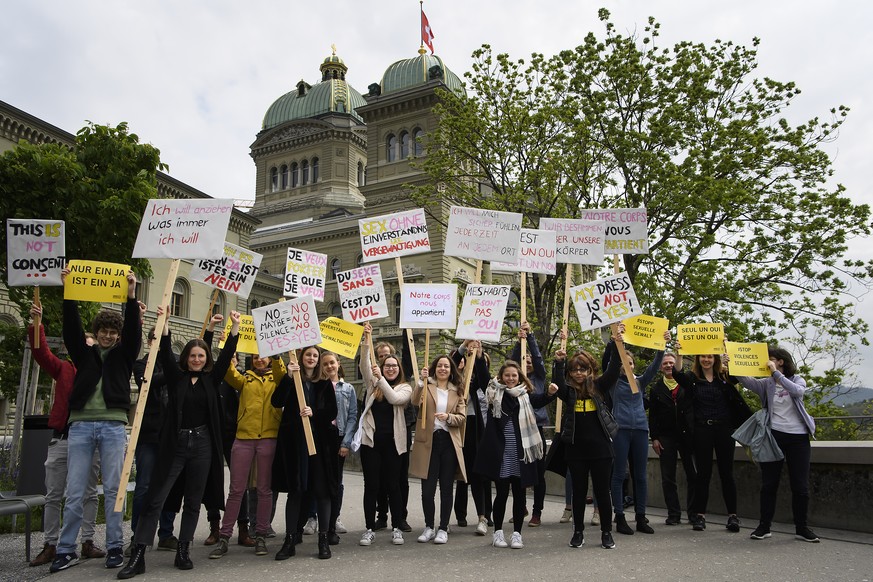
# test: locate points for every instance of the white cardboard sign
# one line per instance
(579, 242)
(482, 312)
(183, 229)
(605, 301)
(626, 229)
(428, 306)
(394, 235)
(35, 252)
(305, 274)
(287, 325)
(234, 272)
(538, 254)
(489, 235)
(362, 294)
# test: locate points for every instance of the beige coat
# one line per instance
(398, 396)
(419, 461)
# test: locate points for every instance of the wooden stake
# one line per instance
(37, 319)
(523, 319)
(619, 344)
(301, 400)
(565, 328)
(209, 313)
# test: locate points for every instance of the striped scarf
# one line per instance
(531, 442)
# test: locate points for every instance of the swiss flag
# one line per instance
(426, 32)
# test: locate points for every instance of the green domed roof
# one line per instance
(416, 71)
(331, 95)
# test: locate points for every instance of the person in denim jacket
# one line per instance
(346, 424)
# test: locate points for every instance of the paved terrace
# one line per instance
(672, 553)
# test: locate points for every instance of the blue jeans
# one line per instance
(85, 437)
(146, 455)
(632, 444)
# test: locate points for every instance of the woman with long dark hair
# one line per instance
(190, 442)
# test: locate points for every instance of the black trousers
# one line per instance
(478, 486)
(402, 481)
(796, 449)
(443, 464)
(672, 448)
(381, 465)
(601, 476)
(519, 500)
(717, 438)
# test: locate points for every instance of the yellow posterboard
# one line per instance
(646, 331)
(748, 359)
(341, 337)
(248, 343)
(700, 338)
(96, 281)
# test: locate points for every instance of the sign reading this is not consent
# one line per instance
(35, 252)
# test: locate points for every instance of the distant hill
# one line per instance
(857, 395)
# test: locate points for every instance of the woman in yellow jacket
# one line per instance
(437, 454)
(257, 427)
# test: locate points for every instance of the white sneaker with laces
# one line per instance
(367, 538)
(397, 537)
(595, 518)
(311, 527)
(482, 528)
(515, 541)
(340, 528)
(426, 536)
(498, 541)
(442, 536)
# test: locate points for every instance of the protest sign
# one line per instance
(183, 229)
(287, 325)
(700, 338)
(578, 242)
(488, 235)
(428, 306)
(362, 296)
(538, 254)
(234, 272)
(341, 337)
(394, 235)
(646, 331)
(605, 301)
(305, 274)
(482, 312)
(247, 343)
(96, 281)
(35, 252)
(748, 359)
(626, 229)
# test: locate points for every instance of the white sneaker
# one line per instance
(482, 528)
(566, 516)
(397, 537)
(367, 538)
(515, 541)
(442, 537)
(340, 528)
(311, 527)
(426, 536)
(595, 518)
(498, 541)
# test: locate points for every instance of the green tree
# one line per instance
(99, 187)
(745, 227)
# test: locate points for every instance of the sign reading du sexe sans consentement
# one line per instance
(287, 325)
(394, 235)
(489, 235)
(362, 295)
(183, 229)
(35, 252)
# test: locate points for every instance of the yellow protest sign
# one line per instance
(96, 281)
(700, 338)
(247, 340)
(340, 336)
(748, 359)
(646, 331)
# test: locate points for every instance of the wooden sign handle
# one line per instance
(208, 313)
(301, 400)
(37, 319)
(619, 344)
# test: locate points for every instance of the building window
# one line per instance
(274, 179)
(360, 173)
(254, 306)
(397, 308)
(358, 375)
(295, 175)
(418, 141)
(404, 145)
(284, 171)
(335, 267)
(179, 299)
(513, 310)
(218, 307)
(304, 170)
(391, 148)
(314, 170)
(336, 310)
(360, 261)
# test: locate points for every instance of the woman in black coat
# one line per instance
(296, 472)
(190, 441)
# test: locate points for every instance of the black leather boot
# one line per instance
(287, 550)
(183, 558)
(323, 546)
(136, 565)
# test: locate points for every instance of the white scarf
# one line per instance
(531, 442)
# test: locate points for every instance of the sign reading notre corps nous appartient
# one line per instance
(394, 235)
(95, 281)
(428, 306)
(605, 301)
(183, 229)
(34, 252)
(362, 295)
(489, 235)
(287, 325)
(234, 272)
(579, 242)
(482, 312)
(626, 229)
(538, 250)
(305, 274)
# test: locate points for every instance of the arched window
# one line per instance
(284, 180)
(295, 175)
(404, 145)
(513, 310)
(254, 305)
(336, 310)
(179, 299)
(304, 170)
(314, 170)
(391, 148)
(335, 267)
(360, 173)
(360, 261)
(219, 304)
(418, 141)
(397, 308)
(274, 179)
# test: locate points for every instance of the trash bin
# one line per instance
(35, 438)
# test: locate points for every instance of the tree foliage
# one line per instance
(745, 225)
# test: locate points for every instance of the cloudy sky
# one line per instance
(195, 78)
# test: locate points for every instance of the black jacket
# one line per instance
(156, 401)
(669, 418)
(738, 408)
